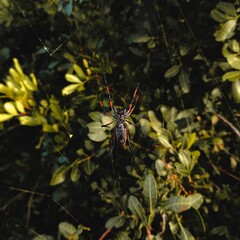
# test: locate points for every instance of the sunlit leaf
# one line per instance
(4, 117)
(182, 169)
(72, 78)
(185, 158)
(66, 229)
(95, 116)
(72, 88)
(163, 139)
(185, 234)
(29, 84)
(136, 207)
(85, 63)
(160, 168)
(79, 71)
(20, 107)
(226, 31)
(195, 200)
(96, 132)
(223, 11)
(10, 108)
(56, 109)
(31, 121)
(59, 175)
(180, 203)
(18, 66)
(172, 71)
(145, 126)
(150, 191)
(107, 120)
(3, 89)
(155, 123)
(50, 128)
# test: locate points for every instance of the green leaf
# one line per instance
(122, 236)
(180, 168)
(226, 30)
(184, 81)
(72, 88)
(66, 229)
(5, 117)
(19, 106)
(31, 121)
(227, 8)
(96, 132)
(160, 168)
(236, 91)
(140, 38)
(177, 204)
(220, 231)
(155, 123)
(191, 139)
(150, 191)
(18, 66)
(185, 234)
(72, 78)
(185, 158)
(145, 126)
(107, 120)
(99, 136)
(180, 203)
(10, 108)
(195, 200)
(231, 76)
(79, 71)
(89, 167)
(75, 173)
(59, 175)
(223, 12)
(172, 71)
(29, 84)
(94, 116)
(117, 222)
(136, 207)
(163, 139)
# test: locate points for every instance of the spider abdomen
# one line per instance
(121, 133)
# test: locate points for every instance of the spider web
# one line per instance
(52, 202)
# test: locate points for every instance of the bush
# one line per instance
(61, 179)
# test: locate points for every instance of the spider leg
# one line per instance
(101, 103)
(106, 86)
(106, 125)
(133, 103)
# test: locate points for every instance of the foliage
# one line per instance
(58, 180)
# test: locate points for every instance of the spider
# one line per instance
(121, 133)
